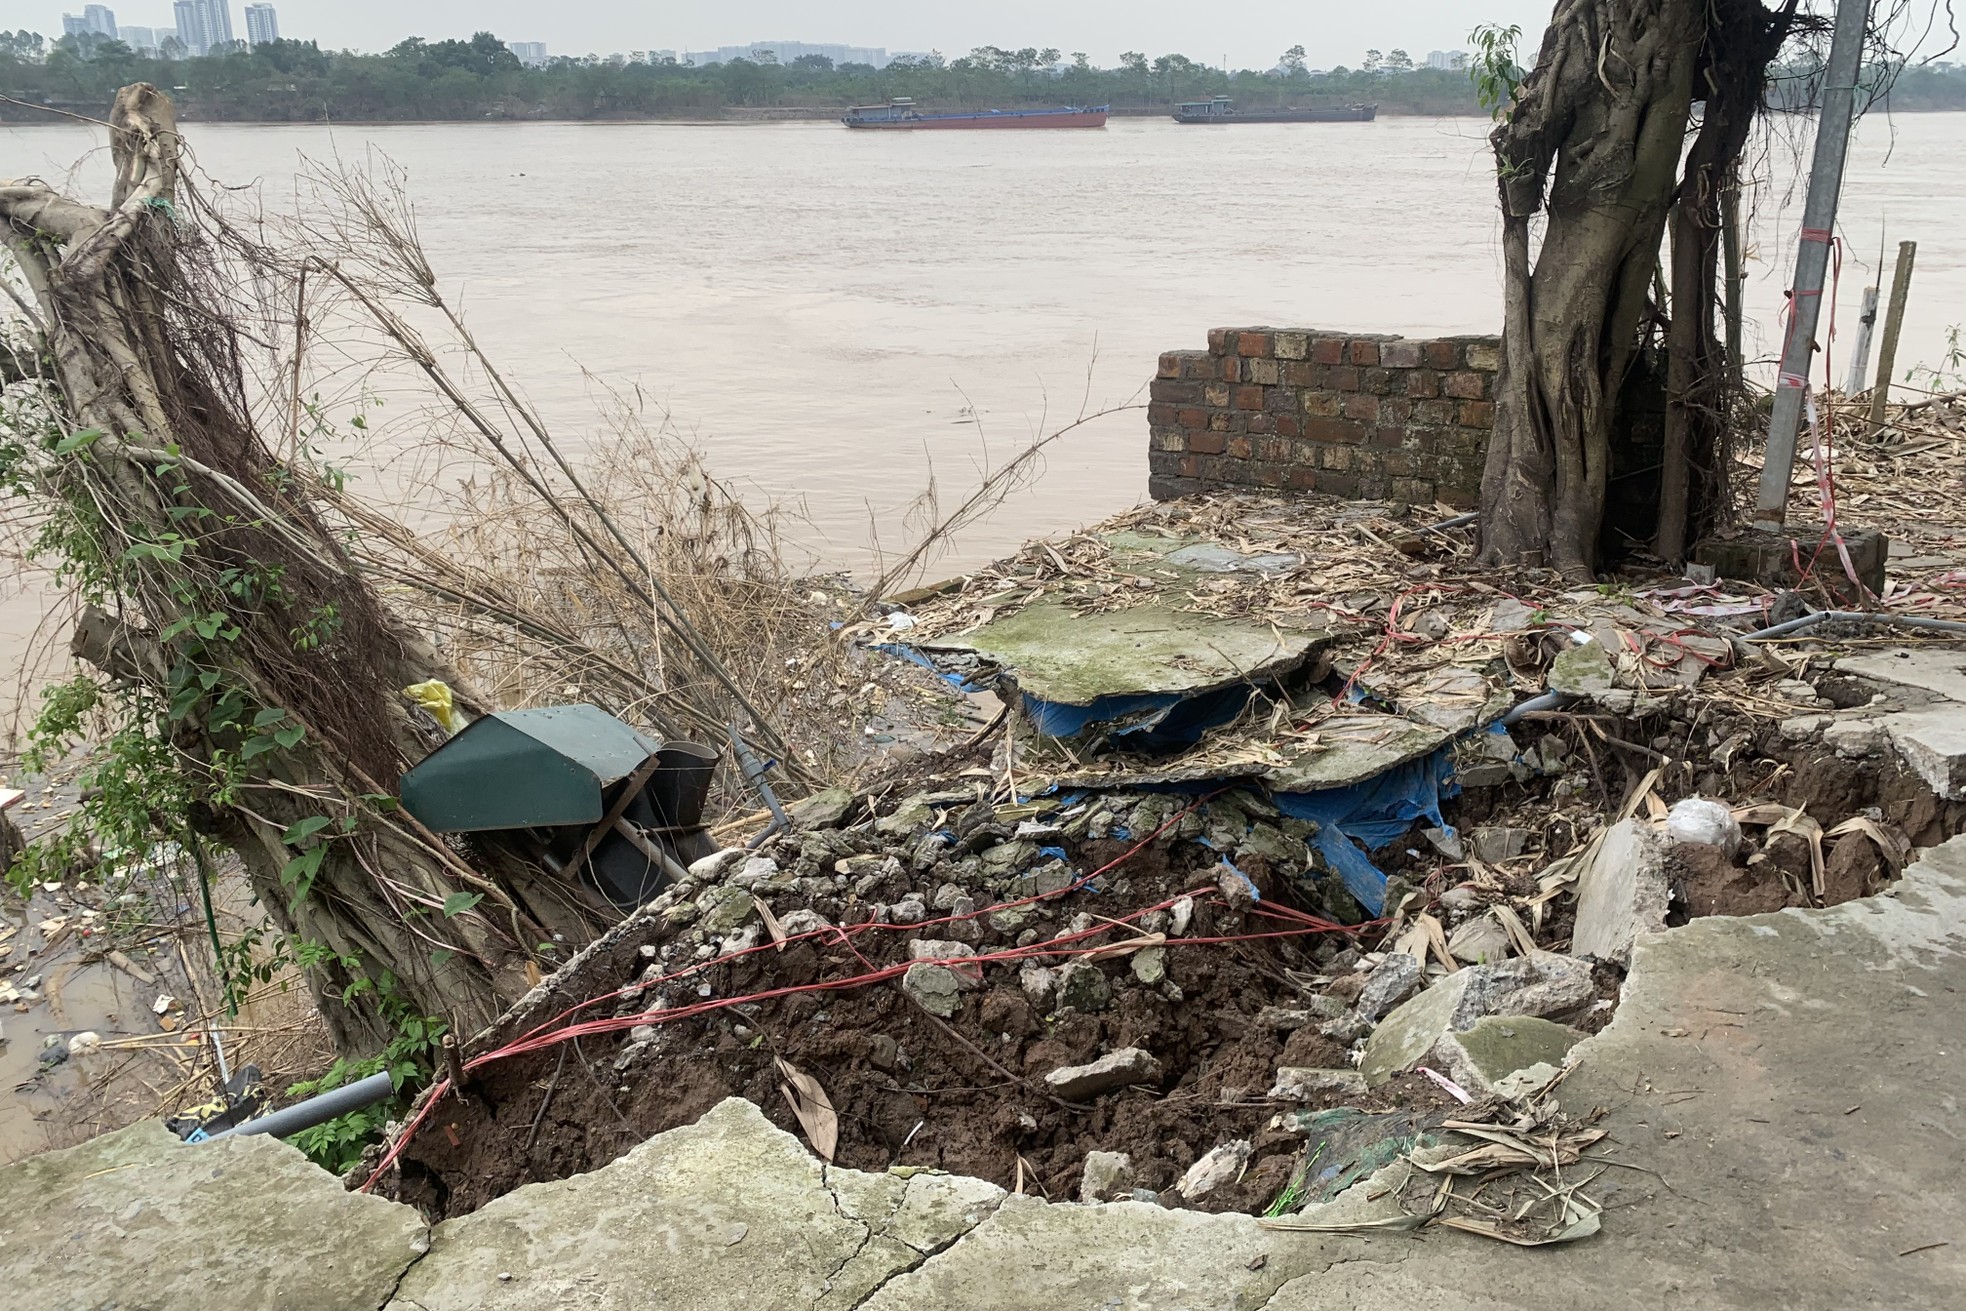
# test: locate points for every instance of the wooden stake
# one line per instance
(1894, 322)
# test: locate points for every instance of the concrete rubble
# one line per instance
(1748, 1054)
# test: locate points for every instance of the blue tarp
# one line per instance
(1377, 813)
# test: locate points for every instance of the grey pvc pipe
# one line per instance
(1794, 626)
(1547, 701)
(316, 1110)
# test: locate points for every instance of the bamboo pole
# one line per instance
(1894, 322)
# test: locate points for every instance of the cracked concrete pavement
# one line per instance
(1782, 1093)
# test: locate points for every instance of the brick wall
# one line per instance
(1382, 418)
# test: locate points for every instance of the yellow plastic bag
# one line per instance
(434, 695)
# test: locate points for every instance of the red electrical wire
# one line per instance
(538, 1038)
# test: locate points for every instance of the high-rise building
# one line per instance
(143, 40)
(1448, 59)
(203, 24)
(531, 53)
(262, 25)
(95, 20)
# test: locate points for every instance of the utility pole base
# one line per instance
(1757, 556)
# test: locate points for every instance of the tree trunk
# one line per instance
(1594, 138)
(242, 635)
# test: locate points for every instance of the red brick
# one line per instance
(1288, 425)
(1395, 409)
(1207, 443)
(1441, 354)
(1219, 421)
(1387, 437)
(1434, 412)
(1413, 491)
(1377, 381)
(1192, 416)
(1262, 423)
(1338, 484)
(1190, 466)
(1322, 404)
(1327, 350)
(1283, 400)
(1271, 475)
(1256, 345)
(1215, 394)
(1299, 373)
(1200, 366)
(1249, 398)
(1400, 464)
(1334, 430)
(1231, 370)
(1423, 383)
(1221, 341)
(1362, 406)
(1161, 414)
(1170, 365)
(1275, 450)
(1174, 393)
(1365, 352)
(1478, 414)
(1466, 386)
(1301, 480)
(1400, 354)
(1342, 378)
(1240, 448)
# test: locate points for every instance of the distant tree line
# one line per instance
(479, 78)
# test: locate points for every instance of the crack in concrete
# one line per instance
(1320, 1273)
(429, 1239)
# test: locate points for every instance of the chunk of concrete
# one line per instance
(823, 809)
(1933, 743)
(1582, 669)
(936, 988)
(1216, 1169)
(1622, 892)
(1941, 670)
(1494, 845)
(1496, 1048)
(1855, 737)
(138, 1219)
(725, 909)
(1105, 1174)
(1392, 981)
(1081, 987)
(1480, 942)
(1120, 1069)
(1540, 985)
(1298, 1083)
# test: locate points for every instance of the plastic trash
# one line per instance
(435, 696)
(1696, 819)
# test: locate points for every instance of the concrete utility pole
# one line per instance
(1894, 323)
(1812, 258)
(1860, 357)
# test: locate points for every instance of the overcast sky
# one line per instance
(1250, 33)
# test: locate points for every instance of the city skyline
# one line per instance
(1103, 29)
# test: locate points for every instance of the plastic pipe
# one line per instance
(316, 1110)
(1547, 701)
(1794, 626)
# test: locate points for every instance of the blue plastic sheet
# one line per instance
(1375, 813)
(914, 657)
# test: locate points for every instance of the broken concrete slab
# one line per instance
(1933, 743)
(1104, 1175)
(1217, 1168)
(1539, 985)
(1938, 670)
(726, 1212)
(1582, 669)
(1059, 655)
(1622, 891)
(1120, 1069)
(136, 1219)
(1497, 1048)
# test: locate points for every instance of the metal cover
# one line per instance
(524, 769)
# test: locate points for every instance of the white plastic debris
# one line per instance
(164, 1004)
(86, 1041)
(1696, 819)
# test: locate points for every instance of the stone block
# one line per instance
(1412, 491)
(1170, 365)
(1120, 1069)
(1216, 394)
(1423, 384)
(1105, 1175)
(1323, 404)
(1536, 986)
(1484, 356)
(1621, 892)
(1264, 372)
(1296, 1083)
(1933, 743)
(1466, 386)
(1400, 354)
(1239, 448)
(1855, 737)
(1769, 559)
(1362, 406)
(1378, 381)
(1293, 345)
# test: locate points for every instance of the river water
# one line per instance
(832, 313)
